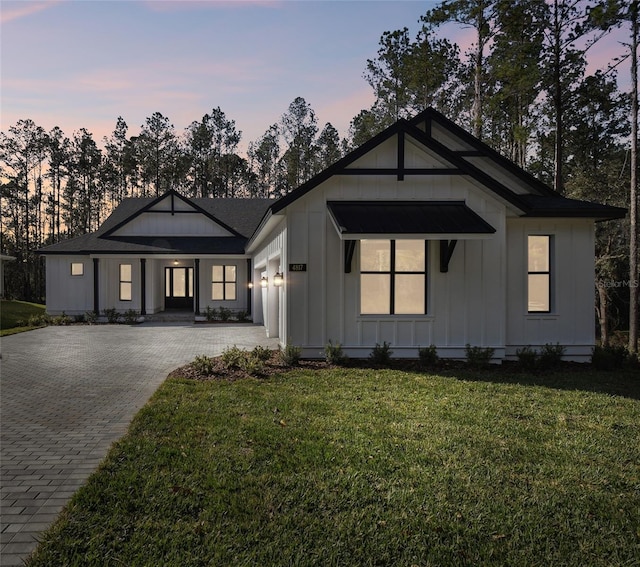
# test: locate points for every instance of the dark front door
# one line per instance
(178, 286)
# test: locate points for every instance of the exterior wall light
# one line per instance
(264, 282)
(250, 285)
(278, 279)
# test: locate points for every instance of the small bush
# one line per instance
(289, 355)
(61, 320)
(261, 353)
(210, 313)
(550, 356)
(224, 313)
(232, 357)
(112, 315)
(39, 320)
(242, 316)
(333, 354)
(527, 358)
(478, 357)
(90, 317)
(609, 357)
(204, 365)
(131, 316)
(428, 356)
(381, 355)
(252, 365)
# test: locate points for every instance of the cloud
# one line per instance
(17, 10)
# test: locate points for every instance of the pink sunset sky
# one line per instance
(82, 63)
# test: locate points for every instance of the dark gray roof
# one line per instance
(242, 215)
(558, 206)
(406, 217)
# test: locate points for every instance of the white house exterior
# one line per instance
(421, 236)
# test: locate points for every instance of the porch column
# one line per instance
(96, 287)
(143, 286)
(196, 284)
(249, 286)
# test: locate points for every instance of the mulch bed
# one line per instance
(275, 366)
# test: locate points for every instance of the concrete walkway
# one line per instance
(66, 394)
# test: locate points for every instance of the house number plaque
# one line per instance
(297, 267)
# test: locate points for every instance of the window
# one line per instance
(393, 277)
(77, 269)
(223, 283)
(125, 282)
(539, 273)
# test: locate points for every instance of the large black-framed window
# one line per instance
(393, 277)
(539, 273)
(224, 283)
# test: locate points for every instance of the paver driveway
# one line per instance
(67, 393)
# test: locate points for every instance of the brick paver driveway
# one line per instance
(67, 393)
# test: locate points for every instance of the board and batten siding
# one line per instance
(465, 305)
(571, 320)
(71, 294)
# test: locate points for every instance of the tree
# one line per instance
(207, 143)
(298, 127)
(157, 152)
(480, 15)
(119, 164)
(514, 77)
(263, 158)
(633, 192)
(327, 149)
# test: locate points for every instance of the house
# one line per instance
(421, 236)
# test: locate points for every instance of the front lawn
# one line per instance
(14, 316)
(364, 466)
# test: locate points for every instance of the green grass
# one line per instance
(14, 315)
(367, 467)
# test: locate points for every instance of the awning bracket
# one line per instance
(349, 249)
(446, 251)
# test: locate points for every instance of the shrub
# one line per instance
(242, 316)
(61, 320)
(130, 316)
(333, 354)
(210, 313)
(225, 314)
(90, 317)
(428, 356)
(527, 358)
(478, 357)
(232, 357)
(112, 315)
(261, 353)
(550, 356)
(289, 355)
(204, 365)
(39, 320)
(252, 365)
(381, 355)
(609, 357)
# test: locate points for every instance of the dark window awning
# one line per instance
(430, 220)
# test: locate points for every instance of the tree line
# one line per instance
(522, 87)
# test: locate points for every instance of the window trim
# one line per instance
(549, 273)
(224, 282)
(392, 273)
(81, 264)
(122, 281)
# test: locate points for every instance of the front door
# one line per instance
(178, 285)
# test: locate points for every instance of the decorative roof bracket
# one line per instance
(446, 251)
(349, 249)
